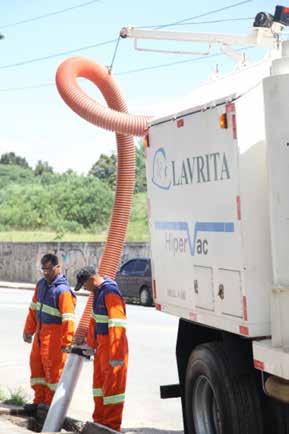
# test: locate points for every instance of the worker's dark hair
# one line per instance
(49, 257)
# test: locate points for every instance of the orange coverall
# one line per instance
(51, 320)
(107, 335)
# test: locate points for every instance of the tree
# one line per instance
(105, 169)
(70, 172)
(71, 203)
(84, 200)
(12, 159)
(42, 167)
(61, 203)
(140, 173)
(11, 174)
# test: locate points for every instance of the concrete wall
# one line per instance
(20, 262)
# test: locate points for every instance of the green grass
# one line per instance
(17, 396)
(29, 236)
(2, 394)
(137, 230)
(138, 225)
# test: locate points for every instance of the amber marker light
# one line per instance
(145, 141)
(223, 121)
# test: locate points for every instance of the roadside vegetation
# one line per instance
(16, 396)
(41, 205)
(2, 394)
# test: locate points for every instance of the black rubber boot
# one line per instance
(30, 408)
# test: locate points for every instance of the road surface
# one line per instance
(152, 339)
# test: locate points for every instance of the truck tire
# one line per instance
(276, 416)
(220, 398)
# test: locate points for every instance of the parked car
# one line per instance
(135, 280)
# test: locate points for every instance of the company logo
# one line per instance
(196, 244)
(161, 176)
(197, 169)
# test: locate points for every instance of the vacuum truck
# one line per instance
(218, 204)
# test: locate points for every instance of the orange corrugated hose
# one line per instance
(114, 118)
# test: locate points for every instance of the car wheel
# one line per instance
(145, 297)
(217, 399)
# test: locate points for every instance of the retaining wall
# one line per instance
(20, 262)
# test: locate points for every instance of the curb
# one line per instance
(17, 285)
(71, 425)
(7, 409)
(31, 287)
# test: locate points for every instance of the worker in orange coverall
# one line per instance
(51, 320)
(107, 336)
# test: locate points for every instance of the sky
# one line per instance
(40, 35)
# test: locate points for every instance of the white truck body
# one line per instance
(218, 205)
(217, 174)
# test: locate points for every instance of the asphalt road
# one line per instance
(152, 339)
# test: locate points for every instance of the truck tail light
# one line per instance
(259, 365)
(244, 330)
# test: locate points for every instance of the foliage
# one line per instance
(84, 200)
(140, 174)
(17, 396)
(42, 167)
(137, 230)
(54, 206)
(2, 394)
(61, 203)
(14, 175)
(138, 226)
(42, 235)
(105, 169)
(10, 158)
(26, 206)
(70, 172)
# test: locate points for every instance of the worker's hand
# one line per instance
(78, 340)
(27, 338)
(114, 363)
(66, 349)
(88, 351)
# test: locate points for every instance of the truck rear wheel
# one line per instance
(276, 416)
(219, 399)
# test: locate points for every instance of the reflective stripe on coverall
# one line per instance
(51, 319)
(107, 334)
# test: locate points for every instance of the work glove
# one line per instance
(88, 351)
(114, 363)
(78, 340)
(66, 349)
(85, 351)
(27, 338)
